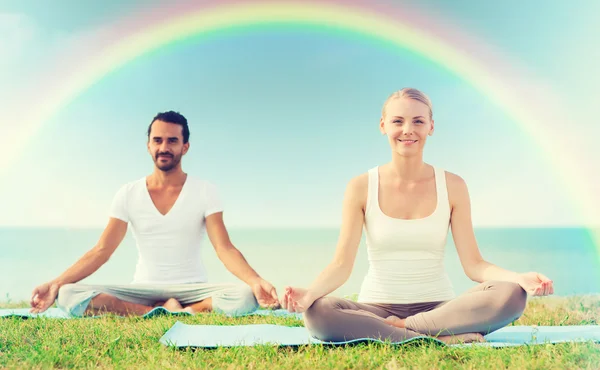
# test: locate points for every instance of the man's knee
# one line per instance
(247, 302)
(65, 293)
(236, 300)
(74, 299)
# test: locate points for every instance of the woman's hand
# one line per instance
(536, 284)
(296, 299)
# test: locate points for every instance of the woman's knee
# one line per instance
(511, 298)
(320, 308)
(319, 320)
(517, 299)
(320, 316)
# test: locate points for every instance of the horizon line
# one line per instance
(304, 227)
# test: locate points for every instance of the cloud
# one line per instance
(17, 36)
(17, 33)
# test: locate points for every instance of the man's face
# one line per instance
(166, 146)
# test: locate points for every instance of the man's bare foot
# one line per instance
(202, 306)
(172, 305)
(189, 310)
(395, 321)
(462, 338)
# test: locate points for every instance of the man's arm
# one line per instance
(111, 238)
(235, 262)
(231, 257)
(44, 295)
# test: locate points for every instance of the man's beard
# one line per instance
(174, 161)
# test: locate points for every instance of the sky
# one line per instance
(281, 119)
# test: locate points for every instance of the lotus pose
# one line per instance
(170, 212)
(406, 207)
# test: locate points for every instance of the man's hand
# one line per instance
(265, 294)
(43, 297)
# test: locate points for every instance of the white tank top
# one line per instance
(406, 257)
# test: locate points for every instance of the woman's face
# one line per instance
(407, 124)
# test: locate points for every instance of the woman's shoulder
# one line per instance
(358, 182)
(453, 179)
(456, 185)
(357, 189)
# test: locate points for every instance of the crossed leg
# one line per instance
(105, 303)
(479, 311)
(334, 319)
(134, 299)
(482, 309)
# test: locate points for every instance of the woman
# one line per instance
(406, 207)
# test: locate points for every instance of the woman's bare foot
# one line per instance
(448, 339)
(462, 338)
(395, 321)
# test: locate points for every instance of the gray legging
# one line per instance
(482, 309)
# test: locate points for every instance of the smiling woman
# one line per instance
(411, 130)
(406, 207)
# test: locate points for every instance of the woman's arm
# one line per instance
(475, 267)
(339, 269)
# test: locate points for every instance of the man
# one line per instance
(169, 212)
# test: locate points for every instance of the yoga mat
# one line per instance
(212, 336)
(56, 313)
(24, 313)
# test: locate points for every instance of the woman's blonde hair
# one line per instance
(410, 93)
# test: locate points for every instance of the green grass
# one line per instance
(132, 343)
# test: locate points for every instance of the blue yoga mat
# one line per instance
(24, 313)
(212, 336)
(56, 313)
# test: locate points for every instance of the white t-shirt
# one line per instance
(169, 246)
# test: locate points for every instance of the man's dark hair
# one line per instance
(172, 117)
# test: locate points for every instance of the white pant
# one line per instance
(230, 299)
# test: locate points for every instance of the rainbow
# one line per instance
(400, 27)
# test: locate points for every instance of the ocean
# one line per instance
(29, 257)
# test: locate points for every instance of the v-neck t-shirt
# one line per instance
(170, 245)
